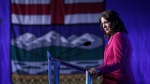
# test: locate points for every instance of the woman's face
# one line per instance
(106, 25)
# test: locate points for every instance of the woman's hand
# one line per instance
(94, 72)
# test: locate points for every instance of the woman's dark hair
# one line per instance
(117, 24)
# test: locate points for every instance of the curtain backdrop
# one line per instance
(54, 26)
(5, 65)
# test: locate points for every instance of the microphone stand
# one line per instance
(68, 50)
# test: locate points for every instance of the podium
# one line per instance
(57, 63)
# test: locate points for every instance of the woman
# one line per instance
(117, 56)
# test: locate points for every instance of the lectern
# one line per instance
(58, 63)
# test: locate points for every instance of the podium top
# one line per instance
(74, 66)
(66, 64)
(1, 20)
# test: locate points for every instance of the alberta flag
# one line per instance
(39, 26)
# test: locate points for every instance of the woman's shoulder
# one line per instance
(120, 35)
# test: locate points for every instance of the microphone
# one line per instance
(85, 44)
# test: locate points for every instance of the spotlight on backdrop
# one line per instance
(1, 21)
